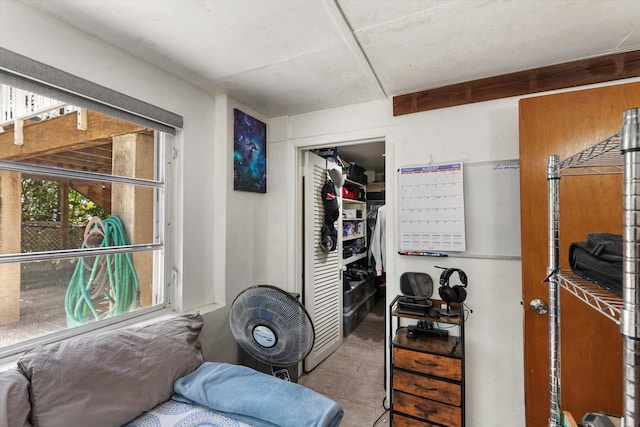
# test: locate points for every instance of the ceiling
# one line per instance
(368, 155)
(287, 57)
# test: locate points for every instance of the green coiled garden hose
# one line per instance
(102, 286)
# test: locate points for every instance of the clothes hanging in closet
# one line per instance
(378, 242)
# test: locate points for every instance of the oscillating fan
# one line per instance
(272, 326)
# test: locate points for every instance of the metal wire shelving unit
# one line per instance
(601, 300)
(617, 154)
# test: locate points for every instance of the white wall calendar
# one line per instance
(431, 208)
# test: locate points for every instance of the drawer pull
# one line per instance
(426, 410)
(429, 364)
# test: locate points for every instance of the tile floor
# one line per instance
(354, 374)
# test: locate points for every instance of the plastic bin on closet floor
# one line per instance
(353, 317)
(354, 295)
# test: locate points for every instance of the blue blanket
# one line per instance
(256, 398)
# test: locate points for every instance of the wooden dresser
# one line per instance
(427, 378)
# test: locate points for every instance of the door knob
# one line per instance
(538, 306)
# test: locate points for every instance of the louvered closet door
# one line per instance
(322, 277)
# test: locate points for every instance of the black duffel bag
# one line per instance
(599, 260)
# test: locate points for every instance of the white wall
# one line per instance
(286, 136)
(472, 133)
(247, 221)
(244, 233)
(494, 348)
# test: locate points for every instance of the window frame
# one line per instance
(167, 128)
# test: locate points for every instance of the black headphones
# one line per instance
(328, 238)
(456, 293)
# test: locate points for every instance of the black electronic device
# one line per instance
(414, 306)
(448, 293)
(416, 289)
(425, 327)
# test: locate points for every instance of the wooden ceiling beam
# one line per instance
(561, 76)
(68, 161)
(61, 134)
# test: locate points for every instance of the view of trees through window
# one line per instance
(41, 202)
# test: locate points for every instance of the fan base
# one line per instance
(246, 359)
(283, 374)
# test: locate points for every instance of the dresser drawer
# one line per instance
(402, 421)
(428, 387)
(426, 409)
(430, 364)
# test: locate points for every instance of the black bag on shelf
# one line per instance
(599, 260)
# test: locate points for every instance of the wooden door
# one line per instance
(591, 344)
(322, 270)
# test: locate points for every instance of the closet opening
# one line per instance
(369, 174)
(344, 287)
(345, 276)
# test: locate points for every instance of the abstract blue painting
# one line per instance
(249, 153)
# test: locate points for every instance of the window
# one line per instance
(83, 236)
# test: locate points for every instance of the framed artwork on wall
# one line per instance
(249, 153)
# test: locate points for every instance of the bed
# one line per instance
(151, 375)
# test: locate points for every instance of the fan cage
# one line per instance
(266, 306)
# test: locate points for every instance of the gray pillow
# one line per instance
(112, 377)
(14, 399)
